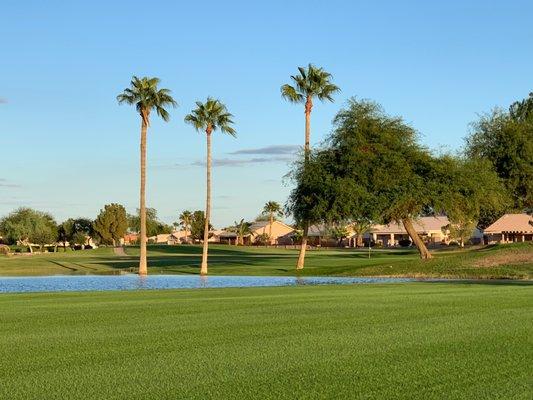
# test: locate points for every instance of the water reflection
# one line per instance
(136, 282)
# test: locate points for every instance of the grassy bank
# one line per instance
(504, 262)
(410, 341)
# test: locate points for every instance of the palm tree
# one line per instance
(242, 229)
(272, 209)
(185, 222)
(209, 117)
(146, 96)
(311, 82)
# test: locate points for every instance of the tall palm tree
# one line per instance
(185, 222)
(311, 82)
(209, 117)
(146, 96)
(272, 209)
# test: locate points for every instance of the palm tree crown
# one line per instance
(272, 208)
(144, 93)
(210, 116)
(311, 82)
(185, 219)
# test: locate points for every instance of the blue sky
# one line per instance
(68, 148)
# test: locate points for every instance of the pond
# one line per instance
(135, 282)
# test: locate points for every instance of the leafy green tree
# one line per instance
(27, 226)
(505, 139)
(146, 96)
(311, 82)
(198, 226)
(75, 231)
(64, 232)
(153, 225)
(111, 224)
(372, 168)
(338, 233)
(209, 117)
(273, 210)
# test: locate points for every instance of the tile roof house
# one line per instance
(429, 228)
(510, 228)
(281, 233)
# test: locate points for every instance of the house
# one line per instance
(130, 239)
(281, 233)
(510, 228)
(428, 228)
(159, 239)
(178, 237)
(214, 235)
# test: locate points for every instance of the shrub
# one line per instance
(4, 249)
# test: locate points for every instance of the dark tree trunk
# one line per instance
(420, 245)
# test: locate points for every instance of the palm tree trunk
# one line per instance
(420, 245)
(307, 150)
(143, 267)
(303, 248)
(270, 229)
(203, 269)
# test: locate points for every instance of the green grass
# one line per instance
(505, 262)
(398, 341)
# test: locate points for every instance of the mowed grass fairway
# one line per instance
(505, 261)
(397, 341)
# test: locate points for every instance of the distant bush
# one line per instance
(4, 249)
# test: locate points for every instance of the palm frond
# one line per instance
(144, 93)
(310, 82)
(211, 114)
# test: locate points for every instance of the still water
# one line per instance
(135, 282)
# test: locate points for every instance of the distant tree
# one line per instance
(153, 225)
(65, 231)
(111, 224)
(27, 226)
(272, 209)
(75, 231)
(460, 232)
(311, 82)
(241, 228)
(198, 226)
(147, 97)
(185, 220)
(360, 226)
(505, 139)
(262, 239)
(209, 117)
(338, 233)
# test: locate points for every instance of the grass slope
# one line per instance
(506, 261)
(410, 341)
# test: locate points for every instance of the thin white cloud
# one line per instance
(238, 162)
(274, 149)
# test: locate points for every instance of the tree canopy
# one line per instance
(153, 225)
(505, 140)
(111, 224)
(27, 226)
(372, 168)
